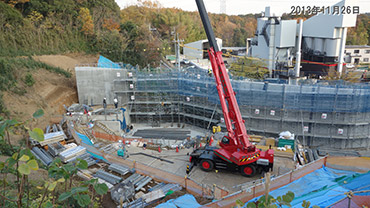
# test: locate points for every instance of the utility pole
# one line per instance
(341, 51)
(297, 68)
(178, 52)
(177, 42)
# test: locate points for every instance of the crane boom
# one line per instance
(233, 119)
(236, 151)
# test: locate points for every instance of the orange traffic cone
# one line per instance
(211, 141)
(177, 149)
(159, 149)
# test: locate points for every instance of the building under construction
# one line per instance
(320, 115)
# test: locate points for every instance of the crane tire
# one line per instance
(206, 165)
(248, 170)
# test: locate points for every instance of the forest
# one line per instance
(139, 34)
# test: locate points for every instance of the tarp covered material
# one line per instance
(106, 63)
(185, 201)
(325, 187)
(98, 156)
(84, 139)
(168, 204)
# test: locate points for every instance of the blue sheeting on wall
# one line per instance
(106, 63)
(324, 186)
(185, 201)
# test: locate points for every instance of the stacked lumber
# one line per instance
(72, 153)
(255, 138)
(50, 138)
(287, 153)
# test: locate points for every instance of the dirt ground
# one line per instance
(67, 61)
(50, 91)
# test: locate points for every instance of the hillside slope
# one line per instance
(50, 90)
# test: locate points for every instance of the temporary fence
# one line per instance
(259, 189)
(327, 187)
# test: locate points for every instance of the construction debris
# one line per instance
(142, 183)
(122, 170)
(55, 149)
(42, 155)
(87, 157)
(77, 107)
(154, 195)
(110, 186)
(123, 192)
(138, 203)
(72, 153)
(108, 177)
(85, 174)
(160, 192)
(54, 137)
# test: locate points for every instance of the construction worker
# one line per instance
(209, 72)
(105, 103)
(115, 101)
(85, 109)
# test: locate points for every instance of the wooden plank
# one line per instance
(287, 153)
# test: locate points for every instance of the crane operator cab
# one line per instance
(225, 140)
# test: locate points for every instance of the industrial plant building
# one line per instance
(316, 45)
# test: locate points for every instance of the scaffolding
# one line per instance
(321, 115)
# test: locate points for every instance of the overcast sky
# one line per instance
(236, 7)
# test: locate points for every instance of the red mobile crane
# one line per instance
(236, 151)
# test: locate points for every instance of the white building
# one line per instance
(198, 49)
(274, 41)
(319, 39)
(357, 54)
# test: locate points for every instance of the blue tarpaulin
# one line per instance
(97, 156)
(84, 139)
(106, 63)
(324, 187)
(185, 201)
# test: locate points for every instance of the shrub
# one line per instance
(2, 106)
(29, 81)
